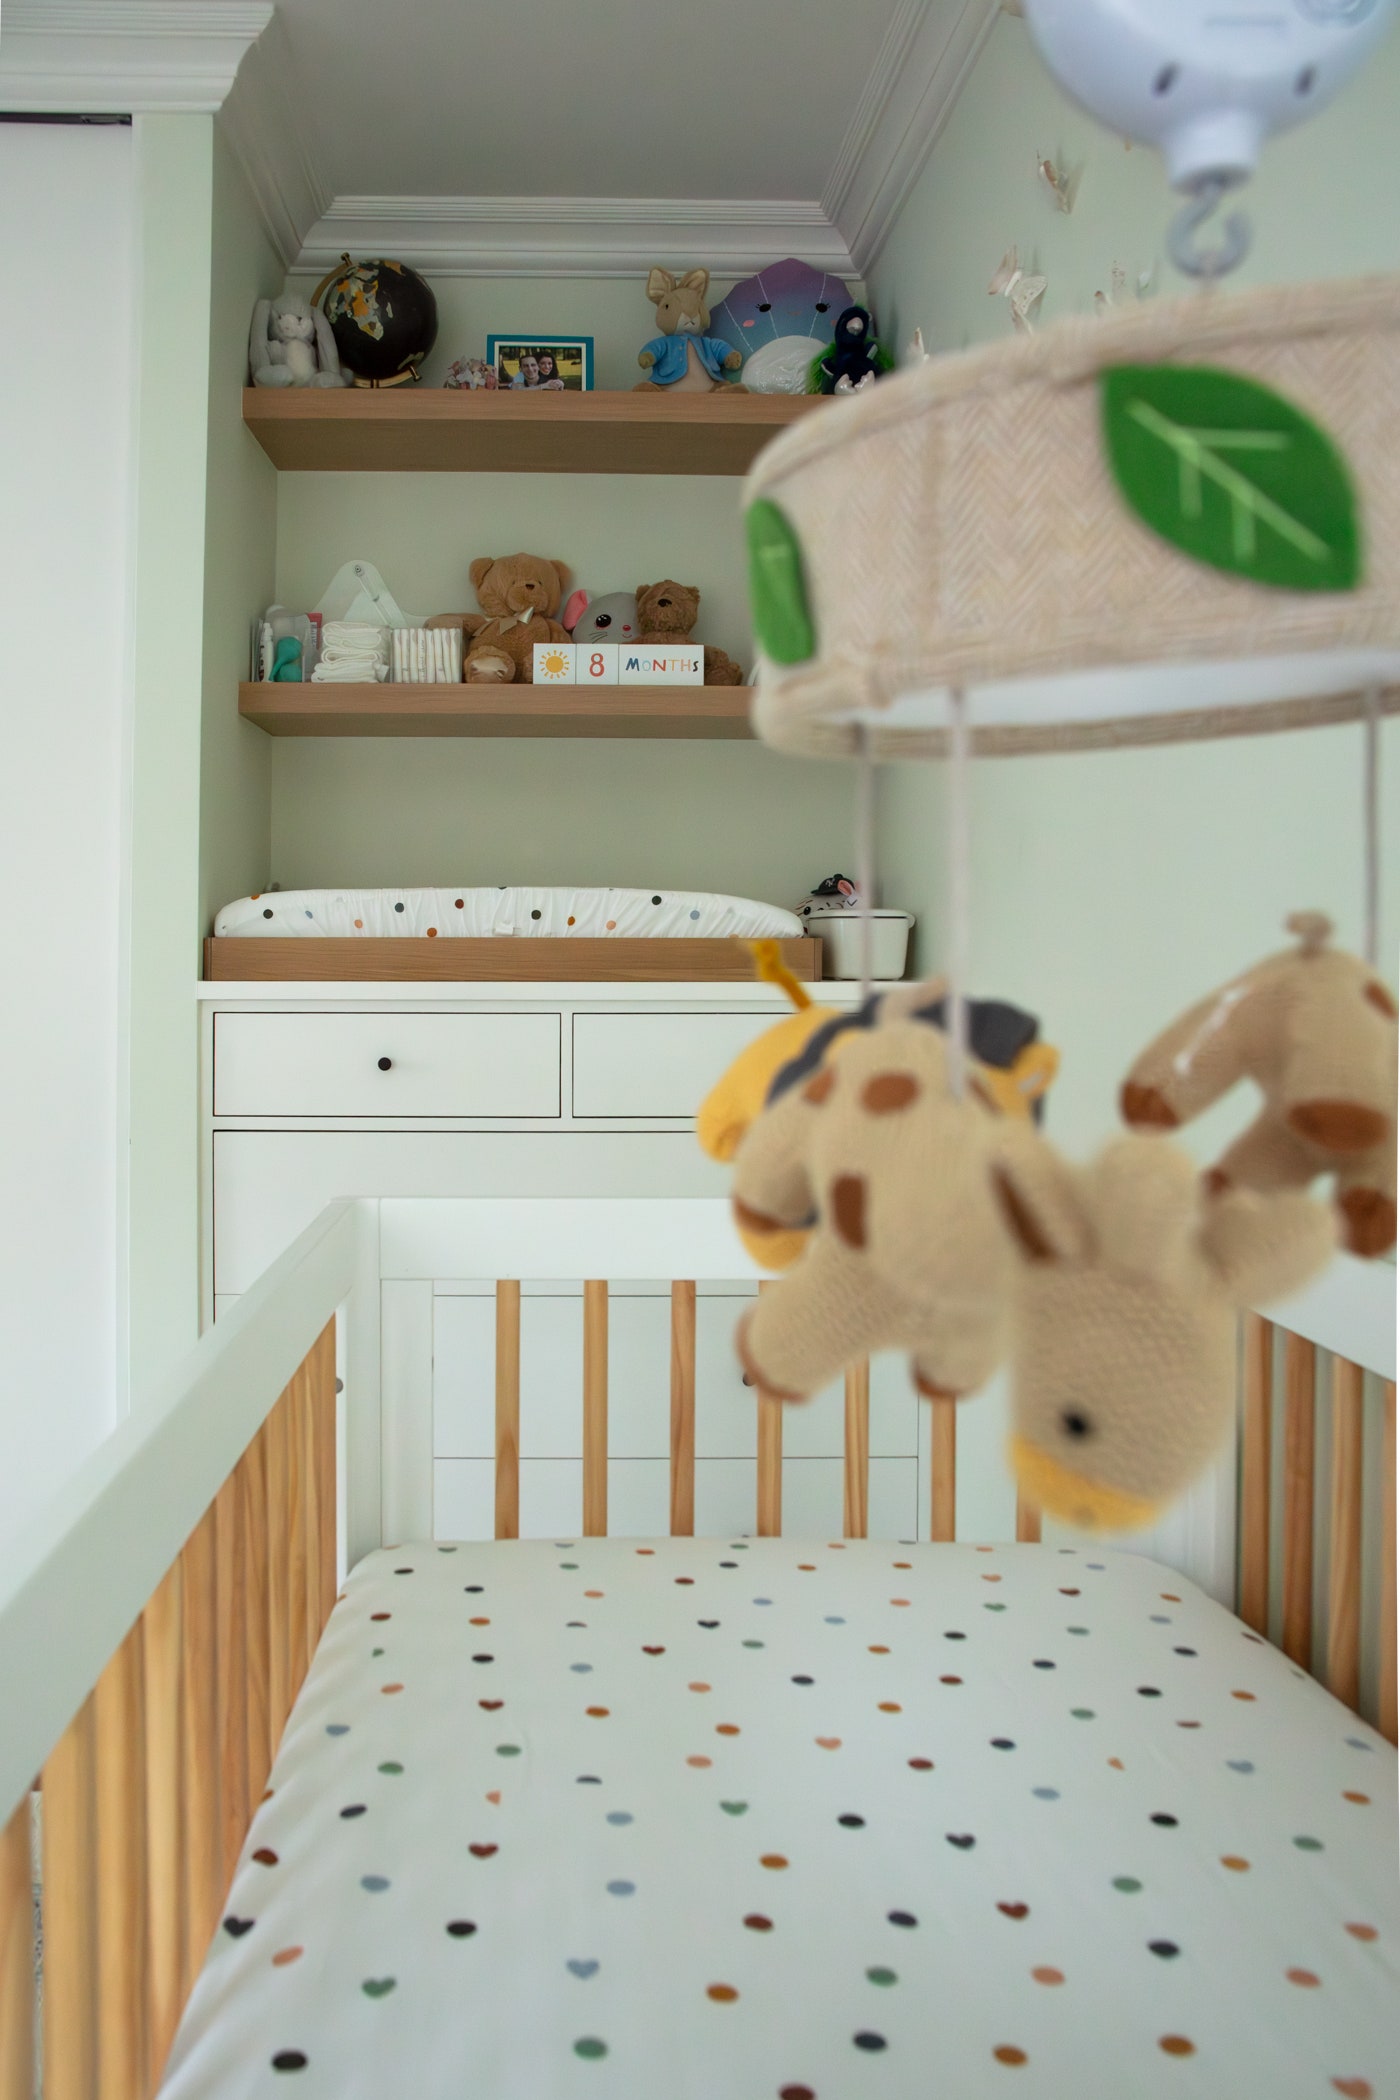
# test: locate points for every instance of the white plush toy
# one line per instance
(290, 344)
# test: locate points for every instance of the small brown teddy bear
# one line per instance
(685, 358)
(519, 595)
(909, 1250)
(667, 611)
(1125, 1318)
(1316, 1030)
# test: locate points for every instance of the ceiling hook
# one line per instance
(1206, 197)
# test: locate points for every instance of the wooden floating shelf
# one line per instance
(495, 961)
(448, 430)
(693, 712)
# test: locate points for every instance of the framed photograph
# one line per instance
(561, 364)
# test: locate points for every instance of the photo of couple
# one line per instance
(557, 365)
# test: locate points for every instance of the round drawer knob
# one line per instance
(386, 1064)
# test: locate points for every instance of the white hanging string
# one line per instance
(959, 889)
(865, 858)
(1371, 827)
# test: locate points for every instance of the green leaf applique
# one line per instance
(777, 588)
(1233, 474)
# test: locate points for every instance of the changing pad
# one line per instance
(479, 913)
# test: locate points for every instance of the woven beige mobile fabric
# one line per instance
(960, 524)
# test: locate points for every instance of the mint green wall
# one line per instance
(1111, 888)
(235, 831)
(175, 178)
(726, 817)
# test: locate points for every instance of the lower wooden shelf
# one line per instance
(680, 711)
(496, 961)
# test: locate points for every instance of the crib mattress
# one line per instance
(725, 1821)
(478, 913)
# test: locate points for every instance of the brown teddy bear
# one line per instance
(685, 358)
(667, 611)
(1124, 1318)
(519, 596)
(1315, 1029)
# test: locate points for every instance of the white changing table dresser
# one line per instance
(520, 1090)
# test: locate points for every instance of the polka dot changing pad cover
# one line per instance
(426, 914)
(753, 1820)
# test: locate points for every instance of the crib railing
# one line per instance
(155, 1627)
(154, 1632)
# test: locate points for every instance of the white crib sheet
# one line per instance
(733, 1821)
(626, 914)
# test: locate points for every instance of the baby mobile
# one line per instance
(1231, 569)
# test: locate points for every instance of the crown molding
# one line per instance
(928, 52)
(97, 57)
(573, 236)
(266, 123)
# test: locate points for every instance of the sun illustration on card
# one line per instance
(553, 664)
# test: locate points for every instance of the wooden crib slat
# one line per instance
(279, 1579)
(1344, 1573)
(119, 1719)
(1386, 1720)
(943, 1462)
(70, 1912)
(1299, 1477)
(1256, 1444)
(231, 1647)
(16, 1959)
(168, 1973)
(323, 1407)
(313, 1613)
(204, 1875)
(769, 1524)
(682, 1410)
(856, 1471)
(252, 1479)
(296, 1405)
(1028, 1521)
(507, 1410)
(595, 1410)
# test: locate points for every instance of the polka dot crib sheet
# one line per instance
(479, 913)
(754, 1820)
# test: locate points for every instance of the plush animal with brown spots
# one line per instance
(1316, 1030)
(1124, 1318)
(908, 1251)
(519, 597)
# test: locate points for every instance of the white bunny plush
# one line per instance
(290, 344)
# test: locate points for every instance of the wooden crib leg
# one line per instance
(1027, 1522)
(203, 1846)
(943, 1463)
(1299, 1475)
(163, 1642)
(230, 1586)
(507, 1410)
(1256, 1444)
(119, 1712)
(770, 1467)
(683, 1410)
(16, 1959)
(856, 1497)
(1344, 1572)
(70, 1914)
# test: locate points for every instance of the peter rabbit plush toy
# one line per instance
(685, 357)
(1315, 1029)
(1124, 1306)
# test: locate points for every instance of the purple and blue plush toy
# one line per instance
(780, 320)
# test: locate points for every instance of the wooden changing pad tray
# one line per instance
(496, 960)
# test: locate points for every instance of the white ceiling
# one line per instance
(591, 98)
(563, 135)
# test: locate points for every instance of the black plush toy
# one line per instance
(854, 359)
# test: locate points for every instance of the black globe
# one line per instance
(383, 316)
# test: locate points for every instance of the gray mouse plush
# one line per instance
(290, 344)
(612, 618)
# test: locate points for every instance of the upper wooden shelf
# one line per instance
(696, 712)
(446, 430)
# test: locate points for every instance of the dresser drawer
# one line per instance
(655, 1064)
(389, 1064)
